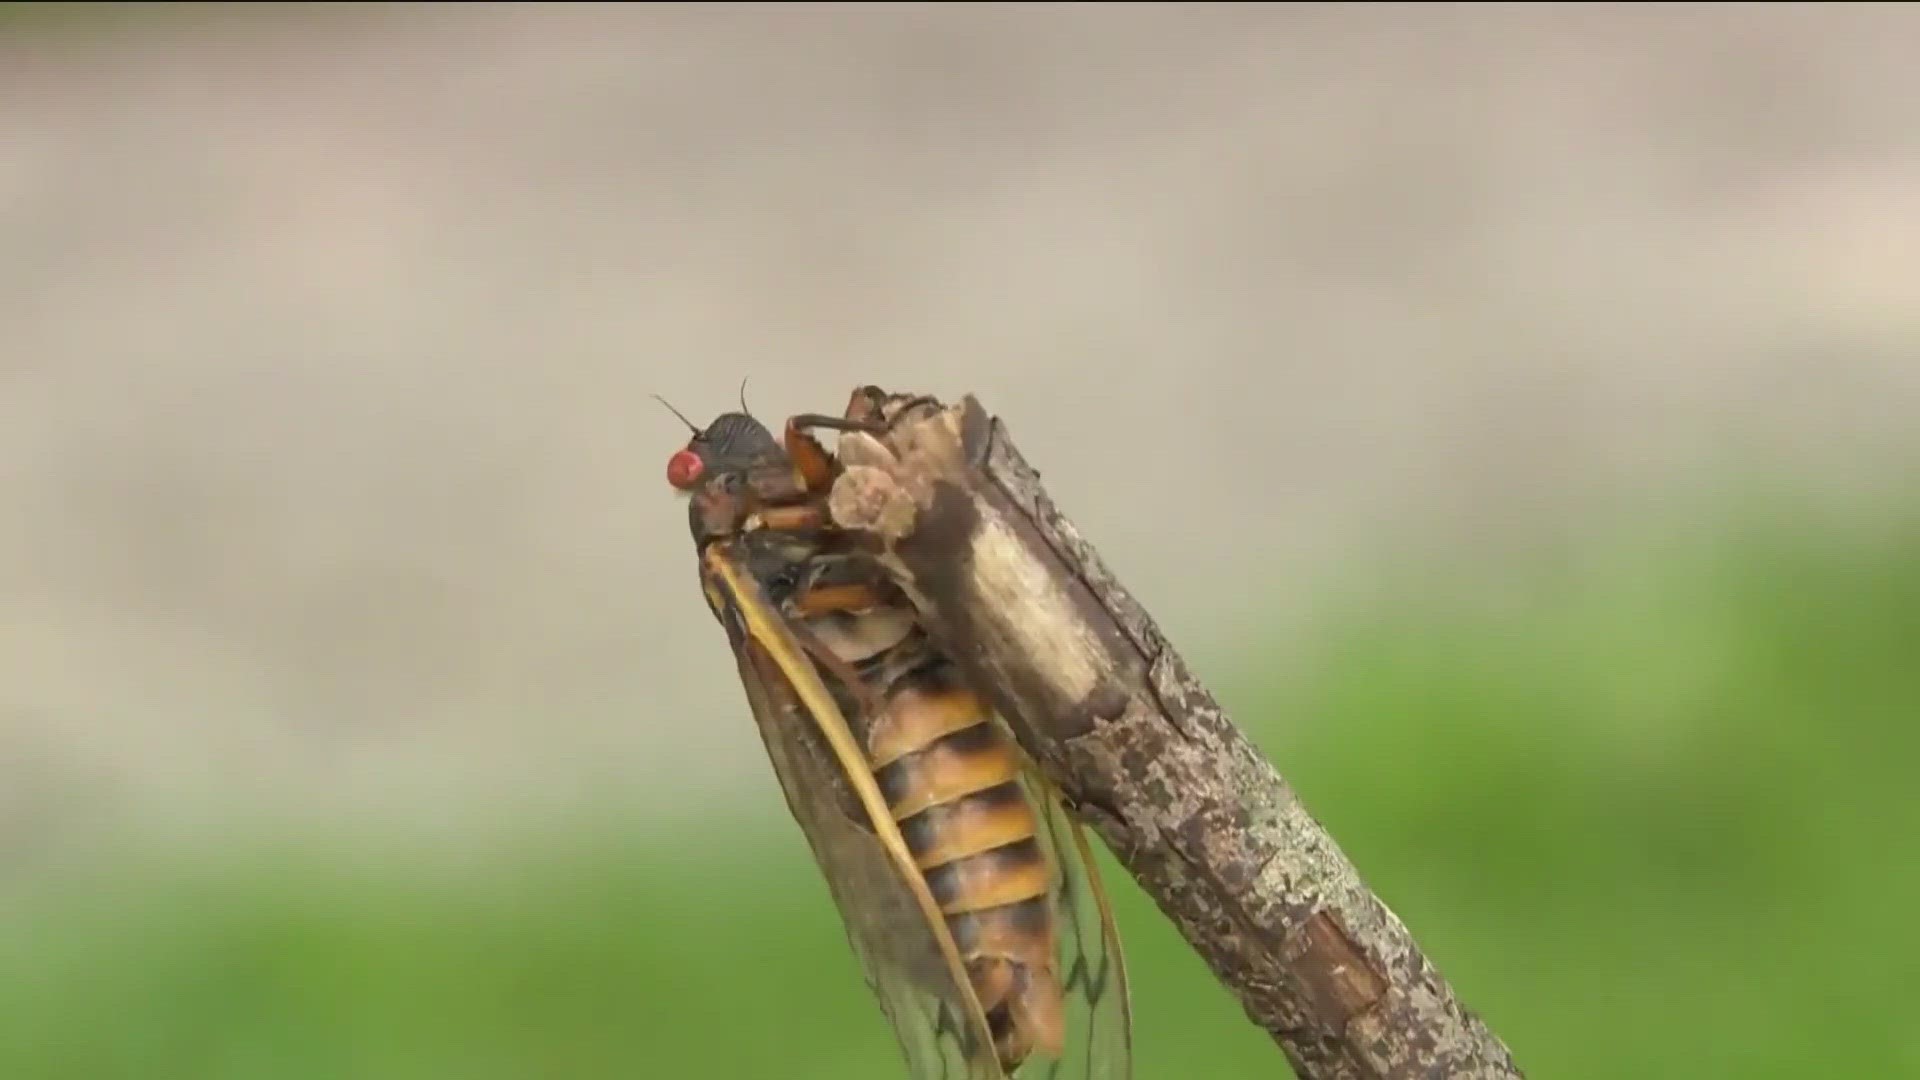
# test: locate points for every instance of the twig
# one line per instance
(1149, 759)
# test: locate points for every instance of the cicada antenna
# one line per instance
(691, 426)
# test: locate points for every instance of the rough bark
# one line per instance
(1147, 756)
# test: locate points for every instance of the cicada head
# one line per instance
(734, 442)
(715, 466)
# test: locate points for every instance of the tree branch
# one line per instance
(1148, 758)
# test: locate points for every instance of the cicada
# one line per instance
(968, 893)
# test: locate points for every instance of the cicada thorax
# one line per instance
(952, 781)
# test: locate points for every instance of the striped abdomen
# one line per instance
(952, 780)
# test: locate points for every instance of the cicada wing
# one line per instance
(1092, 969)
(908, 959)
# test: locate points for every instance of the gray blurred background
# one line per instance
(332, 490)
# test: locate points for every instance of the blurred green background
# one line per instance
(1653, 817)
(1510, 411)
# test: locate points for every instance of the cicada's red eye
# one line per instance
(684, 469)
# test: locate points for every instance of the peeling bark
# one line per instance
(1147, 756)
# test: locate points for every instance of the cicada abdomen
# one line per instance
(952, 780)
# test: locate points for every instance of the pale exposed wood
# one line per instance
(1205, 824)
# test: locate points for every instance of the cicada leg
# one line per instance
(804, 517)
(866, 412)
(811, 462)
(828, 600)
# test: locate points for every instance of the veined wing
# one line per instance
(892, 921)
(1092, 970)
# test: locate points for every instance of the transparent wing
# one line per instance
(1099, 1014)
(907, 958)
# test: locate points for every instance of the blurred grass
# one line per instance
(1651, 814)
